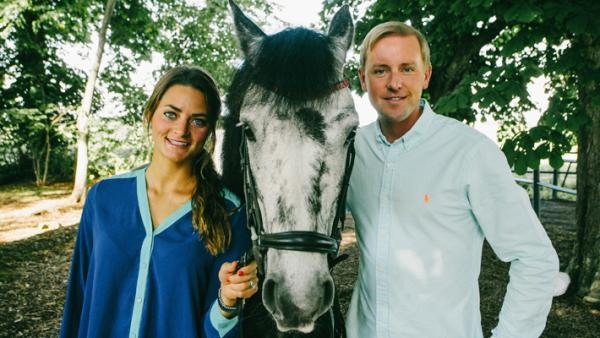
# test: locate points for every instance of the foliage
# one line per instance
(485, 52)
(40, 93)
(117, 147)
(203, 35)
(30, 135)
(38, 89)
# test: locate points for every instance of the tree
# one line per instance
(178, 31)
(484, 53)
(585, 265)
(183, 33)
(203, 35)
(79, 185)
(37, 88)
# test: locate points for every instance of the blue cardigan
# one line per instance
(128, 279)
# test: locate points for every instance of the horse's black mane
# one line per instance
(294, 66)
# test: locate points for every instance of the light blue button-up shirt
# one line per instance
(423, 206)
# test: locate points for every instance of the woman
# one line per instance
(157, 249)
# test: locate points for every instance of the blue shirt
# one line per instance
(128, 279)
(423, 206)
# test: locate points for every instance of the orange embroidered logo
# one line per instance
(426, 198)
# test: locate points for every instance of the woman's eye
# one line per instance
(199, 122)
(170, 115)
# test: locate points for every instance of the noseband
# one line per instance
(307, 241)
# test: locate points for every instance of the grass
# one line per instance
(33, 275)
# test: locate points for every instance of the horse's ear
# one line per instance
(248, 34)
(341, 29)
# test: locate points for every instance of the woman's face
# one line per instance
(180, 125)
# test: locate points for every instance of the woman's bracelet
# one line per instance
(232, 310)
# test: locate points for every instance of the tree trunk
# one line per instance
(585, 265)
(46, 156)
(81, 169)
(36, 167)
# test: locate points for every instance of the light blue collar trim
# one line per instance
(176, 215)
(147, 245)
(228, 195)
(142, 195)
(145, 254)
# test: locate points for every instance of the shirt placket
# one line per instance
(141, 285)
(383, 243)
(145, 257)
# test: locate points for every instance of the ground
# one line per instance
(38, 228)
(26, 210)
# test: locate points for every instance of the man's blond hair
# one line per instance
(393, 28)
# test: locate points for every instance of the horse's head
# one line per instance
(297, 113)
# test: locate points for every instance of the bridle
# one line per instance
(295, 240)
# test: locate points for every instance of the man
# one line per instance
(425, 192)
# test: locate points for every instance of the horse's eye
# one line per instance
(249, 133)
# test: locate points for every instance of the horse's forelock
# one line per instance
(297, 64)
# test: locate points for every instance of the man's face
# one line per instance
(395, 75)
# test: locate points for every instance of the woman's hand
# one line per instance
(234, 285)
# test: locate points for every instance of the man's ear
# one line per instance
(361, 77)
(428, 71)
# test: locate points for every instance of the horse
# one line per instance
(287, 152)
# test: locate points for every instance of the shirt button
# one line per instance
(139, 300)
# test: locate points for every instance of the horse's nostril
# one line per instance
(268, 294)
(328, 293)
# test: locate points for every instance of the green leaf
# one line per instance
(509, 150)
(522, 11)
(463, 100)
(596, 100)
(556, 160)
(576, 25)
(533, 160)
(526, 141)
(536, 133)
(520, 164)
(543, 150)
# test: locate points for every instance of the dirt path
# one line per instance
(24, 214)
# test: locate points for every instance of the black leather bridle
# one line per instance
(308, 241)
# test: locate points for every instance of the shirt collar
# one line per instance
(418, 130)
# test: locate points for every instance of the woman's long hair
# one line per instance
(210, 214)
